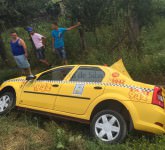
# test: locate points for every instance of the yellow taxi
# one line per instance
(105, 97)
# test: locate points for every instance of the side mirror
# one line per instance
(28, 78)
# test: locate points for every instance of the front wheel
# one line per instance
(109, 126)
(7, 102)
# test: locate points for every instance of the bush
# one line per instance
(6, 74)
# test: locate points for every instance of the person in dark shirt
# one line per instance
(2, 51)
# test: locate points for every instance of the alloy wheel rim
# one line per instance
(4, 102)
(107, 127)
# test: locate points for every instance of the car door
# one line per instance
(42, 92)
(84, 86)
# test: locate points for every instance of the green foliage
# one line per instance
(125, 17)
(53, 8)
(19, 131)
(91, 13)
(100, 52)
(153, 38)
(159, 7)
(19, 12)
(7, 74)
(142, 10)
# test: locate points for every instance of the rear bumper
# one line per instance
(151, 118)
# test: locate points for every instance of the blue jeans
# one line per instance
(61, 52)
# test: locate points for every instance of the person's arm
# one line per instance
(42, 38)
(23, 44)
(44, 41)
(73, 27)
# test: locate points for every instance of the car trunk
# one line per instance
(119, 66)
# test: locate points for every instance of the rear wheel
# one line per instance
(109, 126)
(7, 102)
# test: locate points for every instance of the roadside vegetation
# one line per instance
(27, 131)
(22, 130)
(103, 39)
(150, 62)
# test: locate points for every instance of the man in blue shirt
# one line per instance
(58, 40)
(20, 54)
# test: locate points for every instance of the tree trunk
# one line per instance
(82, 39)
(134, 25)
(133, 32)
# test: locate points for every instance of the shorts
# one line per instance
(40, 53)
(22, 62)
(61, 52)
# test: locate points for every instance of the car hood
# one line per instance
(19, 78)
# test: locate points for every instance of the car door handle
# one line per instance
(98, 87)
(55, 85)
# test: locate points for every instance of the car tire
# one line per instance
(109, 126)
(7, 102)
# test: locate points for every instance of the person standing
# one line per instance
(2, 51)
(39, 43)
(58, 40)
(20, 54)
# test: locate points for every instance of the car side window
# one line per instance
(56, 75)
(88, 74)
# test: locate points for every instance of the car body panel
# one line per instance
(79, 99)
(39, 94)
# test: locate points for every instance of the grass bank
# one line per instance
(22, 130)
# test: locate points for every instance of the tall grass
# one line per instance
(27, 131)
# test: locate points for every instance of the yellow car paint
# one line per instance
(78, 99)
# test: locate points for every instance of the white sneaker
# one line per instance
(30, 77)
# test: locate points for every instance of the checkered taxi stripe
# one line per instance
(89, 83)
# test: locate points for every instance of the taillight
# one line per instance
(157, 97)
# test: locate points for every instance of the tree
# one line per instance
(91, 14)
(53, 8)
(20, 12)
(131, 15)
